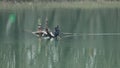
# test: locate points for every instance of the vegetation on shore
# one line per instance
(24, 5)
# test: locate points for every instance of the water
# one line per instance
(91, 48)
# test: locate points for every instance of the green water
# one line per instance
(19, 48)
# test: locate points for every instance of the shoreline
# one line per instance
(82, 5)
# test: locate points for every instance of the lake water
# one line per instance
(93, 39)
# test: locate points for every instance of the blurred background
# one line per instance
(91, 39)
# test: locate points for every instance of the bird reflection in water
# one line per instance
(52, 52)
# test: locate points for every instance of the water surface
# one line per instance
(19, 48)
